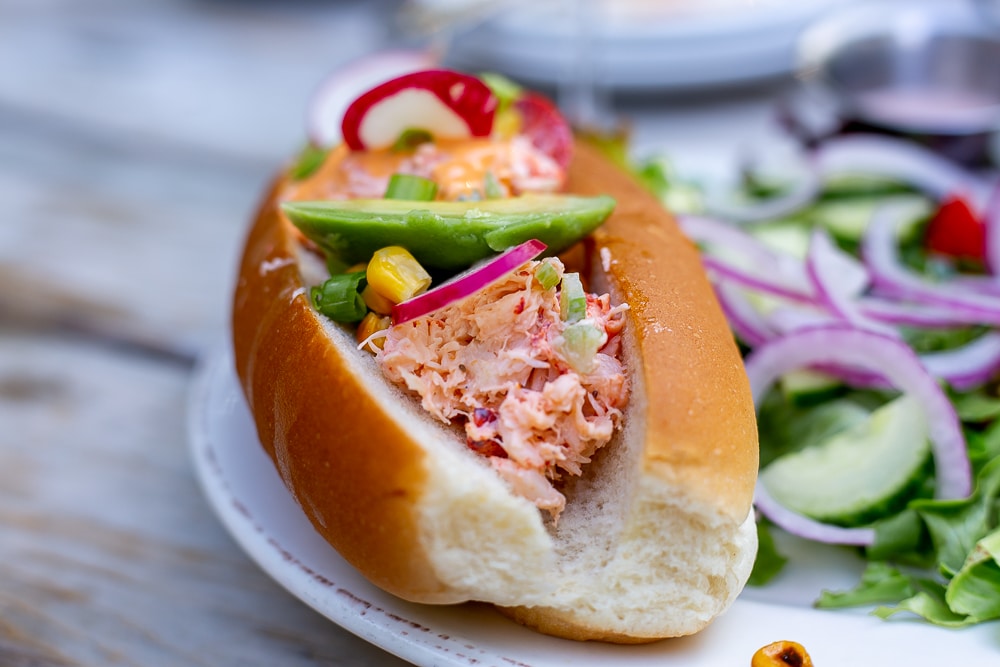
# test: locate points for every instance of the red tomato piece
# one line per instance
(956, 231)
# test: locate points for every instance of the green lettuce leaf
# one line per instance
(880, 583)
(769, 560)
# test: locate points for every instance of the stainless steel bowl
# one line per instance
(924, 68)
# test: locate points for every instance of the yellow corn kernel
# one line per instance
(781, 654)
(376, 301)
(396, 275)
(354, 268)
(369, 324)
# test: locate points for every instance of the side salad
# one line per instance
(866, 298)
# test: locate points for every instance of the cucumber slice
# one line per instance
(788, 236)
(807, 387)
(858, 474)
(848, 218)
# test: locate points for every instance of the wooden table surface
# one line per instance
(135, 140)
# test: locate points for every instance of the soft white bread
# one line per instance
(657, 537)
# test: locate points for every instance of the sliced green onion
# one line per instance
(411, 188)
(547, 275)
(572, 299)
(309, 160)
(506, 91)
(410, 139)
(491, 187)
(581, 341)
(339, 297)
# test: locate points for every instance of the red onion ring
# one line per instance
(773, 273)
(803, 526)
(890, 277)
(805, 190)
(967, 366)
(838, 279)
(991, 218)
(857, 349)
(903, 161)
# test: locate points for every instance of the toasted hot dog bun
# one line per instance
(657, 537)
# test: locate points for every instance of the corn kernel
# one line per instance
(354, 268)
(376, 301)
(781, 654)
(371, 323)
(396, 275)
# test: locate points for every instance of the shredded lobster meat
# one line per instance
(459, 169)
(493, 362)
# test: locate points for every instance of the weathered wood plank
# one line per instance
(109, 554)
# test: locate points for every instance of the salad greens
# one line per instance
(937, 559)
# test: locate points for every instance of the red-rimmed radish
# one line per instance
(344, 85)
(548, 131)
(467, 283)
(446, 104)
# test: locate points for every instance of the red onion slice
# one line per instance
(967, 366)
(991, 218)
(903, 161)
(838, 280)
(467, 283)
(804, 191)
(743, 317)
(906, 313)
(344, 85)
(803, 526)
(891, 278)
(759, 267)
(859, 350)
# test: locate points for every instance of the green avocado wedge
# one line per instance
(447, 235)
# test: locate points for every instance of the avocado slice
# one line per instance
(447, 234)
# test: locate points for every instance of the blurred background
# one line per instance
(136, 140)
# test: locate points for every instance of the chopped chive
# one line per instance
(410, 187)
(308, 161)
(339, 297)
(506, 91)
(410, 138)
(572, 299)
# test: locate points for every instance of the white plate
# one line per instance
(646, 48)
(248, 496)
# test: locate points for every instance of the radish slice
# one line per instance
(548, 131)
(447, 104)
(467, 283)
(859, 350)
(343, 85)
